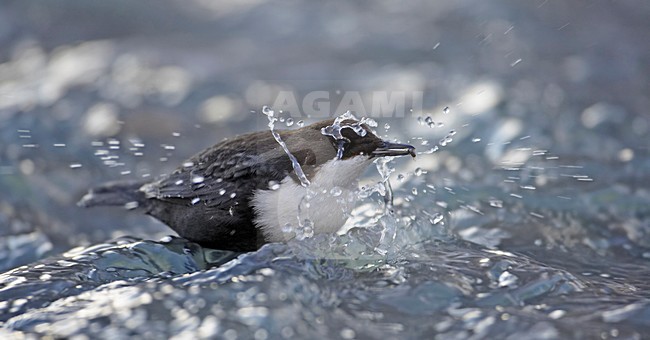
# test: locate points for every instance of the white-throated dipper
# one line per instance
(245, 191)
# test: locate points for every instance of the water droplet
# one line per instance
(387, 126)
(556, 314)
(287, 228)
(446, 110)
(195, 200)
(534, 214)
(131, 205)
(289, 122)
(420, 120)
(430, 121)
(233, 195)
(414, 191)
(476, 140)
(368, 121)
(418, 171)
(75, 166)
(308, 228)
(400, 177)
(300, 123)
(273, 185)
(336, 191)
(513, 64)
(341, 149)
(222, 192)
(430, 151)
(437, 218)
(452, 132)
(179, 182)
(496, 203)
(507, 279)
(198, 179)
(188, 164)
(267, 111)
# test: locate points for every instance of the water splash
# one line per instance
(335, 129)
(382, 165)
(270, 114)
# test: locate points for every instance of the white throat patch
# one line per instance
(327, 209)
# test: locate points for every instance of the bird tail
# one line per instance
(119, 193)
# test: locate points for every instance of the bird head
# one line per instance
(338, 139)
(351, 138)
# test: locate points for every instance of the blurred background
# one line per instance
(92, 91)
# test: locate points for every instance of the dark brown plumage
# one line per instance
(208, 199)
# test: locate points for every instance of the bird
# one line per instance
(258, 187)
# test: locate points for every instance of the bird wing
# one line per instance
(225, 173)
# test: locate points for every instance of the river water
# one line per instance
(530, 220)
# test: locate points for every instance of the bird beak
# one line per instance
(394, 149)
